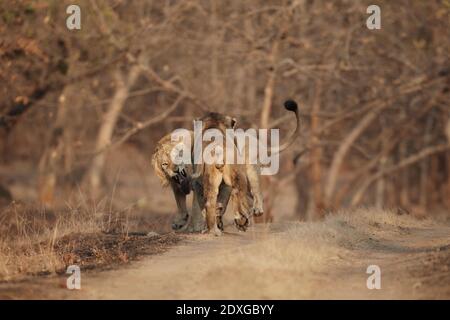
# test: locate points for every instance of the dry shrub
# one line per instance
(36, 241)
(28, 235)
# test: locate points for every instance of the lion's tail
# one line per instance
(289, 105)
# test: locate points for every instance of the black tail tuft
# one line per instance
(291, 105)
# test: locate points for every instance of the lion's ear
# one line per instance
(233, 122)
(196, 120)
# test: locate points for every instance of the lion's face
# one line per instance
(167, 171)
(178, 174)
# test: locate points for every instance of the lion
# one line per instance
(242, 178)
(178, 177)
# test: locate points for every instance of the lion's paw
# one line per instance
(216, 232)
(242, 223)
(179, 223)
(257, 212)
(220, 223)
(196, 227)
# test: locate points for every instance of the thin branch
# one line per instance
(406, 162)
(140, 126)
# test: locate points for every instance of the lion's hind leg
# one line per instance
(211, 186)
(253, 172)
(241, 209)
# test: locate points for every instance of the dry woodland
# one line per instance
(82, 110)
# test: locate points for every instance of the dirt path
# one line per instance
(325, 260)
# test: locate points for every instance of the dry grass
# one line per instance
(291, 260)
(34, 241)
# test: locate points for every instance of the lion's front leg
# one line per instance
(212, 181)
(222, 203)
(182, 216)
(197, 221)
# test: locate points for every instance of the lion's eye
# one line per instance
(164, 165)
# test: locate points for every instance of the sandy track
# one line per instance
(323, 260)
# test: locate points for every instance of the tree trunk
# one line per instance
(316, 154)
(447, 193)
(342, 152)
(381, 186)
(381, 183)
(251, 72)
(269, 182)
(424, 165)
(447, 133)
(404, 183)
(51, 160)
(269, 90)
(108, 124)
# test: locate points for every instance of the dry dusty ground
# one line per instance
(315, 260)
